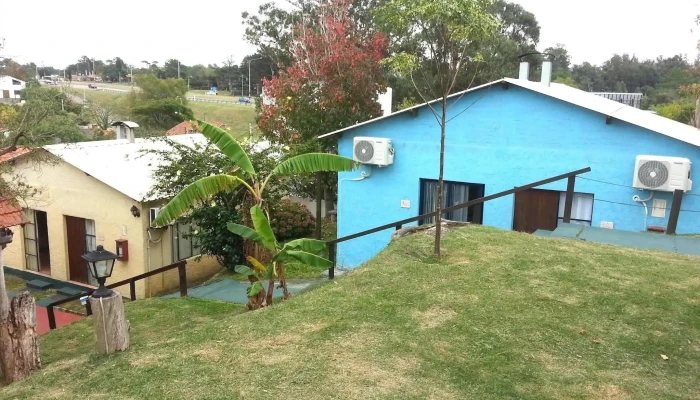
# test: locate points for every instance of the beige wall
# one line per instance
(67, 191)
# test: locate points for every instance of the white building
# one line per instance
(10, 88)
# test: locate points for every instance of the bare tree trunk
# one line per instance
(111, 326)
(19, 347)
(438, 216)
(319, 204)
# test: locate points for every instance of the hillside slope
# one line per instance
(503, 315)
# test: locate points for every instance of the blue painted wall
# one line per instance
(505, 139)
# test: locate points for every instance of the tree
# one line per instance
(160, 103)
(332, 81)
(245, 176)
(441, 32)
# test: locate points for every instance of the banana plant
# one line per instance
(244, 175)
(302, 250)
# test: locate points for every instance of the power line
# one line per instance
(640, 206)
(625, 186)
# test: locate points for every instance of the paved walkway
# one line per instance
(62, 319)
(639, 240)
(233, 291)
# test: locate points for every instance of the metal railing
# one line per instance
(571, 176)
(182, 274)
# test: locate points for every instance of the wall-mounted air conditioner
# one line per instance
(371, 150)
(661, 173)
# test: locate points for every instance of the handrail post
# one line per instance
(675, 212)
(569, 201)
(331, 257)
(182, 272)
(132, 290)
(398, 227)
(52, 317)
(88, 308)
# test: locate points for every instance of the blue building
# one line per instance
(509, 133)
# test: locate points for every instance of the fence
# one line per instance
(191, 98)
(182, 272)
(571, 176)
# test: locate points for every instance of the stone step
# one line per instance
(39, 284)
(542, 232)
(69, 291)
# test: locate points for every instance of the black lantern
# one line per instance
(135, 211)
(100, 263)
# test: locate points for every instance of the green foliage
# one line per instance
(161, 114)
(152, 88)
(213, 237)
(567, 80)
(681, 111)
(228, 146)
(263, 228)
(291, 220)
(314, 162)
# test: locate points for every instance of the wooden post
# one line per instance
(319, 205)
(182, 272)
(52, 317)
(398, 227)
(132, 290)
(675, 212)
(111, 326)
(568, 203)
(331, 257)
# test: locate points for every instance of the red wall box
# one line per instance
(122, 249)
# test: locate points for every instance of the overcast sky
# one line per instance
(208, 31)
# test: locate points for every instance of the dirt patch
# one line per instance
(609, 392)
(147, 360)
(209, 352)
(275, 341)
(434, 317)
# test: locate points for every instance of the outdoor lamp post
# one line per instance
(101, 264)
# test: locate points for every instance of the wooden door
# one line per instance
(75, 234)
(536, 209)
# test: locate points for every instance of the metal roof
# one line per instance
(120, 164)
(130, 124)
(590, 101)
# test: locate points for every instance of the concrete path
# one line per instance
(639, 240)
(233, 291)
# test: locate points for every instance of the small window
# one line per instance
(184, 246)
(16, 82)
(453, 193)
(18, 93)
(581, 209)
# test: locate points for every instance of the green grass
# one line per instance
(14, 282)
(502, 315)
(237, 117)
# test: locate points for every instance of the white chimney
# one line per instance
(524, 71)
(546, 73)
(384, 100)
(125, 130)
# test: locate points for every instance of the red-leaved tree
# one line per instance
(332, 82)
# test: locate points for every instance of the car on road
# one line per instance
(244, 100)
(92, 86)
(210, 93)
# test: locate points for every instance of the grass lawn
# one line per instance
(14, 282)
(237, 117)
(502, 315)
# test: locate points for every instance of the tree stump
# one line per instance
(111, 326)
(19, 347)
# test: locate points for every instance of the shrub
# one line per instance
(291, 220)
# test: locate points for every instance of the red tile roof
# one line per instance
(20, 150)
(10, 215)
(186, 127)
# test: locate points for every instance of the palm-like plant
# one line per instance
(244, 175)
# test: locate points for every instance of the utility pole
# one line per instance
(131, 74)
(249, 61)
(242, 94)
(188, 83)
(178, 69)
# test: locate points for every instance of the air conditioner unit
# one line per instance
(152, 215)
(372, 150)
(664, 174)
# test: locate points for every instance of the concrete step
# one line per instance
(542, 232)
(48, 300)
(38, 284)
(567, 231)
(69, 291)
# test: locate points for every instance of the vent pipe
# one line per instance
(524, 71)
(546, 73)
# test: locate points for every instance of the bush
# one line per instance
(213, 236)
(291, 220)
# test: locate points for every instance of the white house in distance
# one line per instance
(10, 88)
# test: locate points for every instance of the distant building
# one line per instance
(11, 89)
